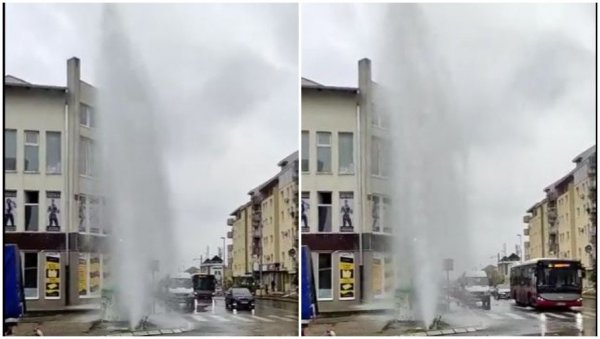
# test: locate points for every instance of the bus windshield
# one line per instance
(558, 280)
(204, 283)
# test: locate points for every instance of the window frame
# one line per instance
(23, 253)
(352, 165)
(30, 144)
(319, 205)
(318, 280)
(319, 145)
(87, 157)
(48, 171)
(89, 116)
(25, 205)
(6, 132)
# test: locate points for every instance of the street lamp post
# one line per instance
(224, 253)
(521, 247)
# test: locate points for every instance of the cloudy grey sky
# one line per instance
(522, 78)
(225, 77)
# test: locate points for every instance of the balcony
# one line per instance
(551, 196)
(230, 221)
(256, 199)
(526, 219)
(592, 193)
(230, 235)
(526, 231)
(553, 230)
(256, 233)
(230, 248)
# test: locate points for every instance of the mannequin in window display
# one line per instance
(375, 214)
(305, 207)
(9, 208)
(53, 212)
(346, 211)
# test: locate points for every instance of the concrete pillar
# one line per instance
(73, 96)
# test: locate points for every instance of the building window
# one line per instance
(304, 207)
(324, 152)
(86, 116)
(379, 161)
(346, 153)
(10, 210)
(305, 151)
(89, 275)
(53, 153)
(378, 119)
(325, 277)
(346, 211)
(31, 210)
(324, 208)
(86, 159)
(32, 147)
(30, 275)
(10, 150)
(376, 213)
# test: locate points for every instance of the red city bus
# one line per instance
(547, 283)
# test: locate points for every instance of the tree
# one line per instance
(494, 276)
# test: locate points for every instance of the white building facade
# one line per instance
(51, 211)
(345, 203)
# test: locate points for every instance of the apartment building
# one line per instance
(264, 231)
(241, 253)
(51, 209)
(563, 225)
(344, 198)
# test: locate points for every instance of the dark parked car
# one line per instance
(239, 298)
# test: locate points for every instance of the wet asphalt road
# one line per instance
(271, 318)
(507, 319)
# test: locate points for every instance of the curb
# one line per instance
(444, 332)
(154, 332)
(339, 314)
(151, 333)
(289, 300)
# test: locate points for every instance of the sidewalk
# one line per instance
(355, 325)
(65, 324)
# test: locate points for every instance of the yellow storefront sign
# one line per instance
(346, 267)
(83, 275)
(95, 275)
(52, 270)
(376, 276)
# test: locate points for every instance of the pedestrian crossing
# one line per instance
(536, 315)
(241, 318)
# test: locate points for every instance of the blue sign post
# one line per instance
(308, 296)
(14, 297)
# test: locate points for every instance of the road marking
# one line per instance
(554, 315)
(197, 317)
(263, 319)
(291, 316)
(218, 317)
(514, 316)
(280, 318)
(533, 315)
(493, 316)
(589, 314)
(242, 318)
